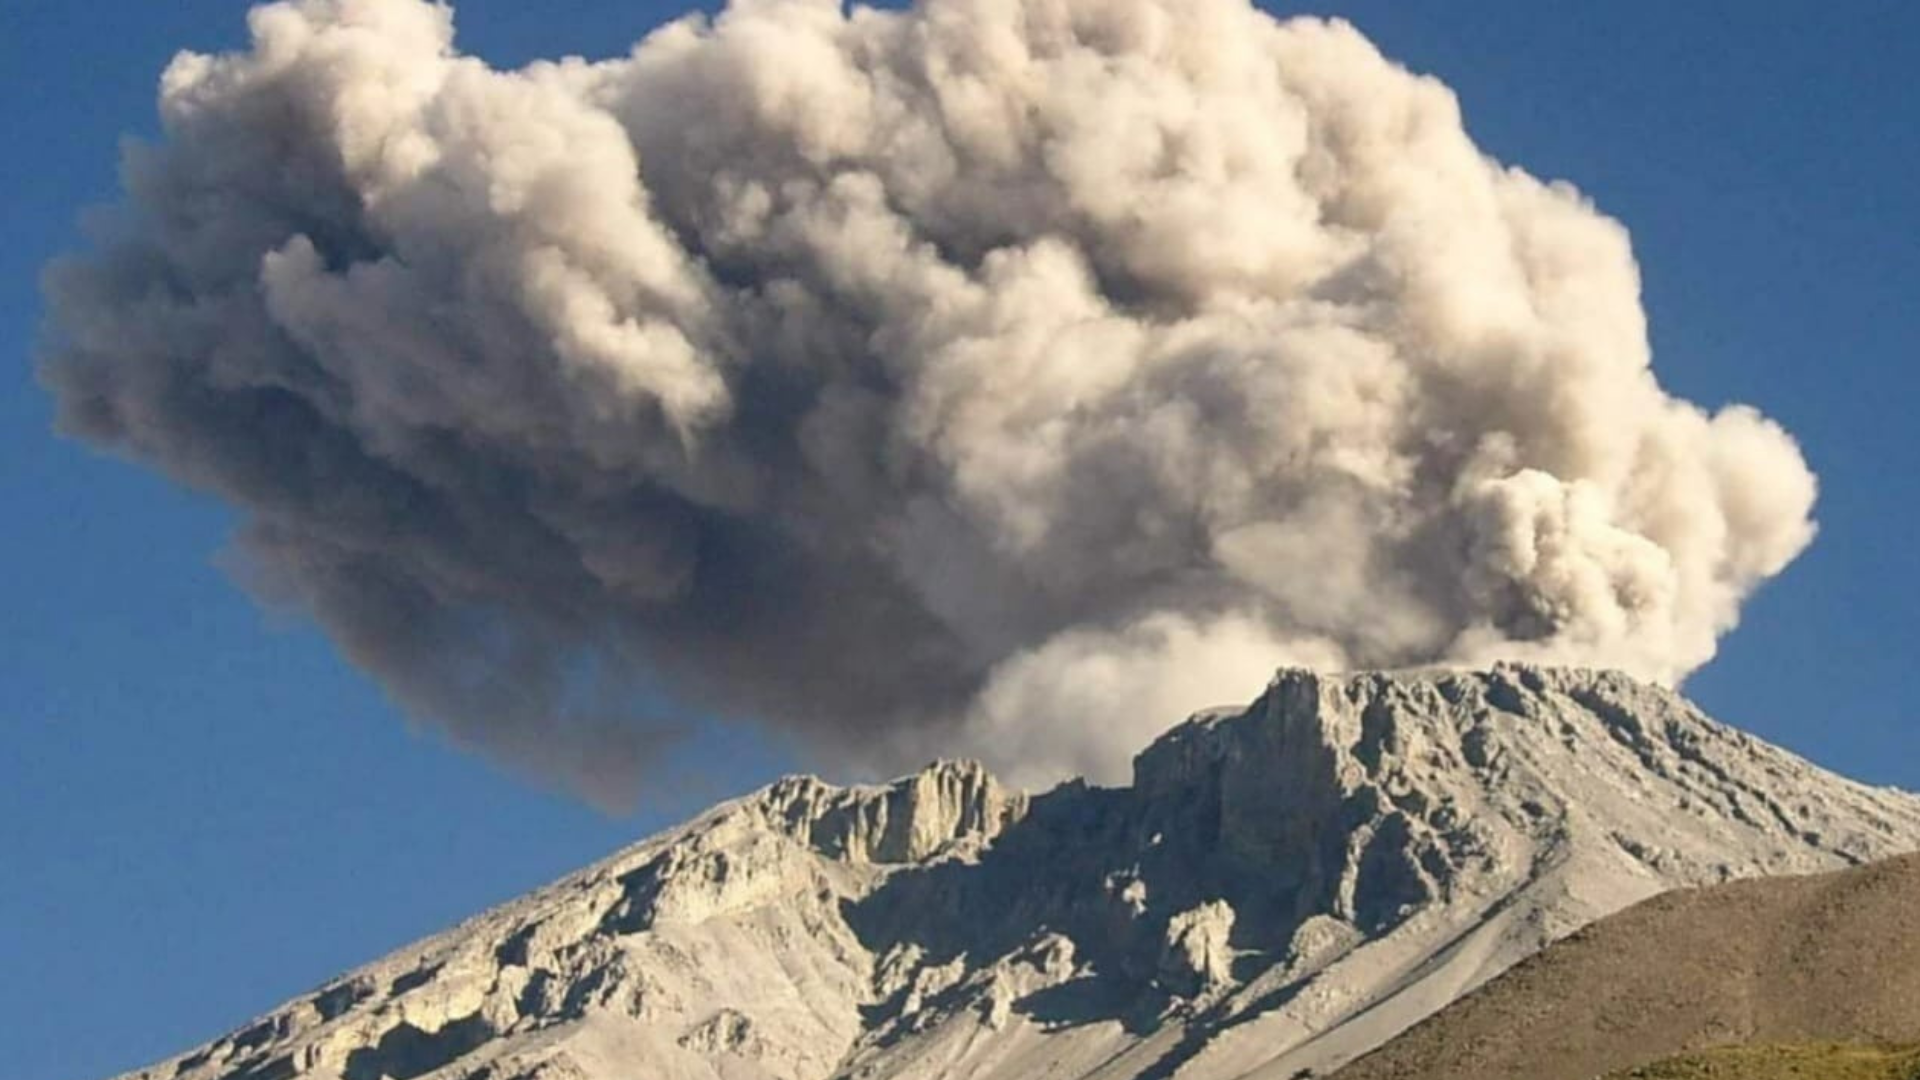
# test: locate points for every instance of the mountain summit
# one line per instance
(1281, 888)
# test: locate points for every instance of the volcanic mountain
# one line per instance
(1282, 888)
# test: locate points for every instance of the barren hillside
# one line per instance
(1827, 957)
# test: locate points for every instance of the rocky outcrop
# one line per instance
(1280, 889)
(1198, 959)
(950, 804)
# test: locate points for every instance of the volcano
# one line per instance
(1282, 888)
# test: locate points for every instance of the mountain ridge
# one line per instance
(1281, 888)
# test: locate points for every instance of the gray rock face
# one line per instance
(1281, 888)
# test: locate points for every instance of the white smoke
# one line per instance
(995, 376)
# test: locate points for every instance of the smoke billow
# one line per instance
(1000, 377)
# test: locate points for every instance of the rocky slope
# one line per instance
(1281, 889)
(1833, 957)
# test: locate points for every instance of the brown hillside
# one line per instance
(1777, 960)
(1816, 1061)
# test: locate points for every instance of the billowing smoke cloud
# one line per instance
(998, 376)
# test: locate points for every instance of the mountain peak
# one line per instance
(1282, 887)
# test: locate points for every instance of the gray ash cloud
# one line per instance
(1000, 377)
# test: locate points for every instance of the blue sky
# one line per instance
(205, 811)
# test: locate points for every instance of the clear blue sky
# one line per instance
(203, 811)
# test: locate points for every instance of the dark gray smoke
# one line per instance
(997, 376)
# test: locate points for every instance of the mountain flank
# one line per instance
(1831, 957)
(1281, 888)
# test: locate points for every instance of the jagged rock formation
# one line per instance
(1796, 960)
(1281, 888)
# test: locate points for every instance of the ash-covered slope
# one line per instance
(1281, 888)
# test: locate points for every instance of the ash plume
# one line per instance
(1001, 377)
